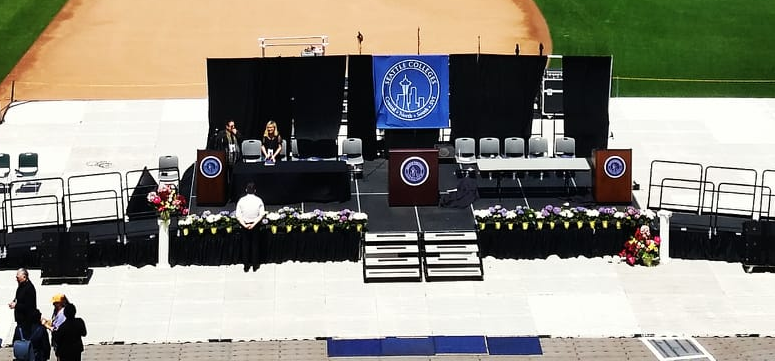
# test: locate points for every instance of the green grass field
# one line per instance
(713, 47)
(697, 41)
(21, 21)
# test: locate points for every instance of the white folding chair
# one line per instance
(168, 169)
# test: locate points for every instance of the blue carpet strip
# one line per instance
(514, 346)
(429, 346)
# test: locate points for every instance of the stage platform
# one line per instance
(693, 296)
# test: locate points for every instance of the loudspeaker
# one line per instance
(446, 152)
(754, 252)
(63, 255)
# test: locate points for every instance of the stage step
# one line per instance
(460, 273)
(393, 274)
(397, 261)
(393, 249)
(451, 248)
(449, 256)
(392, 257)
(446, 260)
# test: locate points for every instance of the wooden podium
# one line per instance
(211, 176)
(413, 177)
(612, 175)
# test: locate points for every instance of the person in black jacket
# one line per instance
(68, 336)
(229, 141)
(39, 339)
(25, 303)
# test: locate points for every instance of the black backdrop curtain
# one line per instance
(493, 95)
(361, 120)
(317, 85)
(272, 97)
(254, 91)
(586, 91)
(231, 90)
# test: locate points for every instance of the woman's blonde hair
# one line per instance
(276, 130)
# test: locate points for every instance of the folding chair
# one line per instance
(537, 147)
(5, 171)
(352, 154)
(168, 169)
(565, 147)
(465, 153)
(28, 168)
(489, 147)
(251, 151)
(514, 147)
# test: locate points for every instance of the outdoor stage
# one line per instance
(304, 300)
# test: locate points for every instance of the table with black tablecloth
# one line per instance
(289, 182)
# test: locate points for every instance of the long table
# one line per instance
(532, 164)
(498, 166)
(290, 182)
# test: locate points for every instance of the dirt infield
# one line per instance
(144, 49)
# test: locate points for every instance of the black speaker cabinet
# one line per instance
(63, 257)
(759, 243)
(753, 243)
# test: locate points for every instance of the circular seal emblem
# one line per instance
(614, 166)
(210, 167)
(410, 90)
(414, 171)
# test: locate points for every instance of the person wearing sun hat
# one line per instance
(58, 316)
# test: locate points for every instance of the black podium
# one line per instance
(413, 177)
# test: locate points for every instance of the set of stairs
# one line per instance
(449, 256)
(391, 257)
(408, 256)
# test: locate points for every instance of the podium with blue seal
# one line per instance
(413, 177)
(612, 175)
(211, 177)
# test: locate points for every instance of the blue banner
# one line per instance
(411, 92)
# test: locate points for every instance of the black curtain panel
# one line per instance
(361, 118)
(317, 85)
(464, 95)
(586, 91)
(273, 97)
(509, 85)
(231, 93)
(492, 95)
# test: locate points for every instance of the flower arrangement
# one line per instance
(641, 248)
(286, 219)
(185, 224)
(525, 214)
(579, 216)
(549, 213)
(167, 202)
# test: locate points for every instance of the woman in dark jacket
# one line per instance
(68, 336)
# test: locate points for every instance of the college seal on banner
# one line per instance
(210, 167)
(614, 166)
(414, 171)
(410, 89)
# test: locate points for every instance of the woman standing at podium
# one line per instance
(272, 144)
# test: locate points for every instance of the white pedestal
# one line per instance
(164, 244)
(664, 235)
